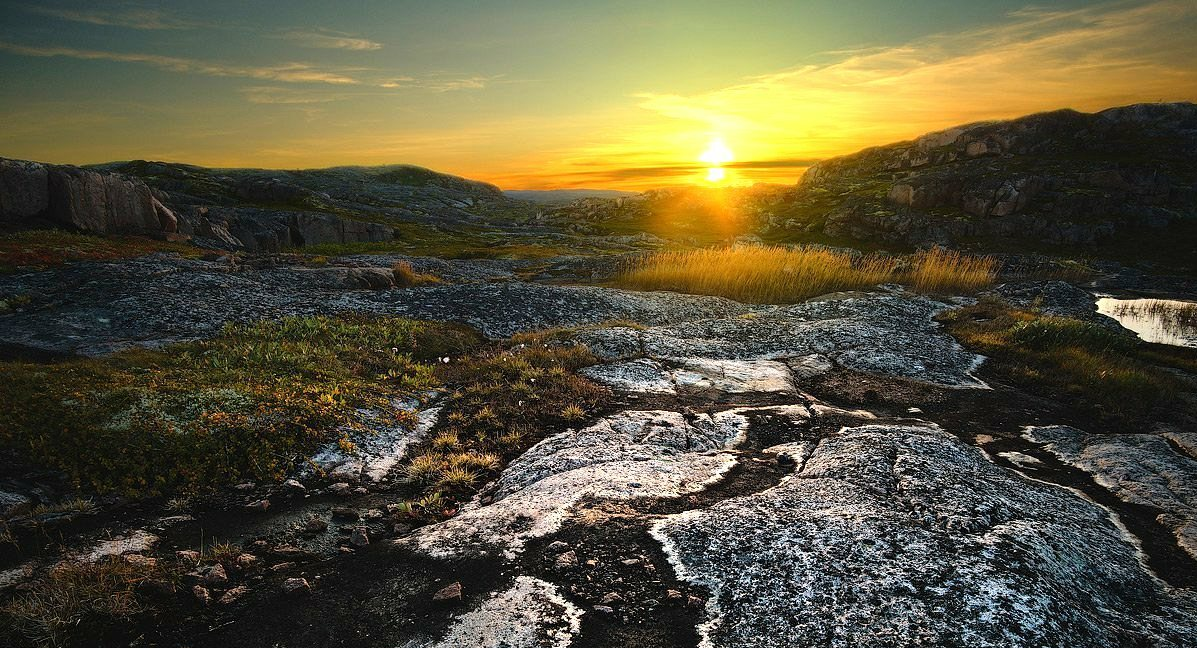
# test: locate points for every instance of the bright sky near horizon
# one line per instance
(554, 94)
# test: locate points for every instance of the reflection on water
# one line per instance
(1166, 321)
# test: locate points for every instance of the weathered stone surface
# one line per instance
(626, 456)
(379, 445)
(24, 190)
(133, 542)
(530, 614)
(1136, 468)
(895, 535)
(890, 334)
(96, 308)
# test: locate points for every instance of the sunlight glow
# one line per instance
(716, 155)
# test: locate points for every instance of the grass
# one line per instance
(772, 274)
(67, 605)
(406, 277)
(503, 400)
(1173, 315)
(38, 249)
(1096, 371)
(249, 404)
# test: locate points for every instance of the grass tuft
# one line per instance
(771, 274)
(406, 277)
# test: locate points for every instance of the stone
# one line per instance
(360, 537)
(315, 525)
(296, 586)
(210, 575)
(449, 592)
(345, 512)
(233, 594)
(141, 562)
(246, 561)
(294, 486)
(260, 506)
(340, 489)
(188, 556)
(530, 614)
(134, 542)
(245, 486)
(673, 595)
(557, 547)
(201, 594)
(611, 598)
(14, 504)
(567, 560)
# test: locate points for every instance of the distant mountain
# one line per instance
(1061, 178)
(563, 196)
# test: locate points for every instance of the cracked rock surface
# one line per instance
(901, 535)
(1136, 468)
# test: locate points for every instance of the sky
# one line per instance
(540, 95)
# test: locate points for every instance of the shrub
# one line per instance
(938, 271)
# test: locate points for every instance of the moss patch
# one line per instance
(250, 404)
(37, 249)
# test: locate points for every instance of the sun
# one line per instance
(716, 155)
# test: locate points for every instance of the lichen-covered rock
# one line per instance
(1136, 468)
(890, 334)
(529, 614)
(897, 536)
(626, 456)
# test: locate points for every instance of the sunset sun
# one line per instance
(716, 155)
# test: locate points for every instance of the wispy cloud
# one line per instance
(275, 95)
(330, 40)
(132, 18)
(286, 72)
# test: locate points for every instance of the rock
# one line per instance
(188, 556)
(296, 586)
(210, 575)
(886, 527)
(141, 562)
(534, 494)
(1140, 469)
(13, 504)
(245, 486)
(345, 512)
(694, 601)
(448, 593)
(673, 595)
(630, 562)
(360, 537)
(604, 609)
(315, 525)
(294, 486)
(567, 560)
(201, 594)
(260, 506)
(531, 614)
(134, 542)
(557, 547)
(291, 552)
(246, 561)
(230, 596)
(340, 489)
(612, 598)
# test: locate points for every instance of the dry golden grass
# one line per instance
(946, 271)
(406, 277)
(771, 274)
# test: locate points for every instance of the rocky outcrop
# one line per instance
(79, 199)
(264, 230)
(1062, 178)
(901, 535)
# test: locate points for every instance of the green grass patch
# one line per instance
(251, 403)
(37, 249)
(1095, 370)
(503, 400)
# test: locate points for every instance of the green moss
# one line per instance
(250, 404)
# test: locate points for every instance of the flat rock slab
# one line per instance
(378, 447)
(626, 456)
(889, 334)
(96, 308)
(530, 614)
(1137, 468)
(901, 535)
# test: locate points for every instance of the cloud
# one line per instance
(274, 95)
(286, 72)
(147, 19)
(330, 40)
(1037, 59)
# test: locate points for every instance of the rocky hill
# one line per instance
(1060, 178)
(253, 209)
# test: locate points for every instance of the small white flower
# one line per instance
(445, 359)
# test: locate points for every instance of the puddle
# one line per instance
(1164, 321)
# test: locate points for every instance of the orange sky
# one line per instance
(550, 98)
